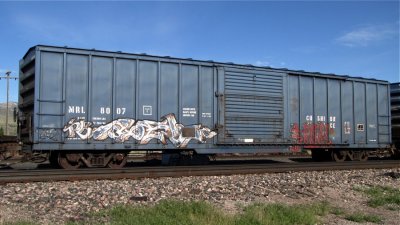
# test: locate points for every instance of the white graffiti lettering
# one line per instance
(78, 128)
(144, 131)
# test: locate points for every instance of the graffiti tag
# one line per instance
(122, 130)
(311, 134)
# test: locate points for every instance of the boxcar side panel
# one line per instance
(384, 114)
(207, 95)
(294, 107)
(189, 94)
(320, 101)
(169, 89)
(334, 120)
(101, 91)
(49, 107)
(337, 113)
(101, 101)
(359, 113)
(125, 89)
(372, 114)
(76, 90)
(147, 90)
(347, 106)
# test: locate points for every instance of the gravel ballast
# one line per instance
(59, 202)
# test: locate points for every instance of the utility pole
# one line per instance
(7, 77)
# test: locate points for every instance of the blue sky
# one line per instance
(347, 38)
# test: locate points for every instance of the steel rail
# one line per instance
(46, 175)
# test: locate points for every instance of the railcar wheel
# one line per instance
(118, 161)
(69, 160)
(364, 156)
(339, 156)
(352, 155)
(358, 155)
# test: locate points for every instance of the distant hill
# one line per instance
(12, 126)
(3, 105)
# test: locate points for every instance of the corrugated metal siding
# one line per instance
(99, 89)
(395, 108)
(337, 112)
(253, 106)
(27, 75)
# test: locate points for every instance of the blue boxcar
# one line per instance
(85, 100)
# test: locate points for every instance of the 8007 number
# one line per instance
(107, 110)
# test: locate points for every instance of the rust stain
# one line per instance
(314, 135)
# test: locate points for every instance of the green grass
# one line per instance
(19, 223)
(337, 211)
(202, 213)
(169, 212)
(361, 218)
(282, 214)
(382, 196)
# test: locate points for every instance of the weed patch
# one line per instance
(20, 223)
(361, 218)
(169, 212)
(382, 196)
(337, 211)
(282, 214)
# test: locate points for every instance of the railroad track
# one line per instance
(45, 175)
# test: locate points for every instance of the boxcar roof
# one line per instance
(204, 62)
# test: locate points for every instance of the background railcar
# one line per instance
(92, 107)
(395, 106)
